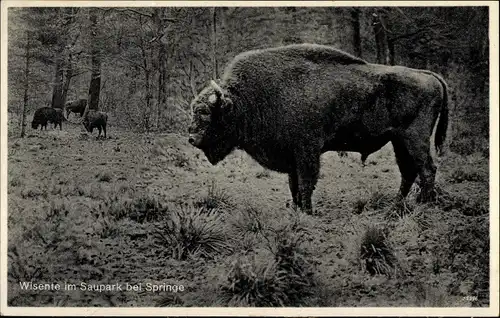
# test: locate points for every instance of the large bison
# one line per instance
(46, 115)
(95, 119)
(76, 106)
(286, 106)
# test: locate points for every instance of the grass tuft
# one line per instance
(282, 278)
(104, 177)
(466, 205)
(170, 300)
(380, 201)
(462, 174)
(192, 232)
(359, 205)
(216, 198)
(255, 283)
(375, 251)
(142, 208)
(247, 221)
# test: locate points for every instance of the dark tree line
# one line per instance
(144, 65)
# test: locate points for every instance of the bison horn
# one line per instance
(218, 89)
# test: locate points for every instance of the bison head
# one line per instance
(213, 127)
(34, 124)
(86, 124)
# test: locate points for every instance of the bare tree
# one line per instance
(159, 20)
(58, 80)
(68, 44)
(356, 39)
(26, 83)
(379, 21)
(95, 81)
(64, 18)
(67, 79)
(214, 43)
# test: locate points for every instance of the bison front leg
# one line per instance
(294, 188)
(307, 176)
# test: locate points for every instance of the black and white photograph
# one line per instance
(304, 156)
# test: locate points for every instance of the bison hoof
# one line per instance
(426, 196)
(307, 211)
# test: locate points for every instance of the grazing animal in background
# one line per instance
(76, 106)
(95, 119)
(286, 106)
(46, 115)
(59, 118)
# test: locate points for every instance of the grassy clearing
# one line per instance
(150, 209)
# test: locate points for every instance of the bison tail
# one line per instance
(442, 126)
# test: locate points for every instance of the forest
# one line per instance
(152, 61)
(143, 206)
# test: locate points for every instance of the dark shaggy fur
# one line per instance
(96, 119)
(76, 106)
(286, 106)
(46, 115)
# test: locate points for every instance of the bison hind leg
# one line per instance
(407, 166)
(414, 158)
(427, 181)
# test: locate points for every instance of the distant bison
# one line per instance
(46, 115)
(286, 106)
(76, 106)
(95, 119)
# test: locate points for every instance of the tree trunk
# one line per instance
(356, 31)
(162, 64)
(69, 75)
(58, 81)
(162, 83)
(392, 53)
(214, 44)
(95, 81)
(380, 30)
(147, 113)
(147, 83)
(26, 84)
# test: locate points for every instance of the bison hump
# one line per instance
(311, 52)
(321, 53)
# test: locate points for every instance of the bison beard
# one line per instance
(286, 106)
